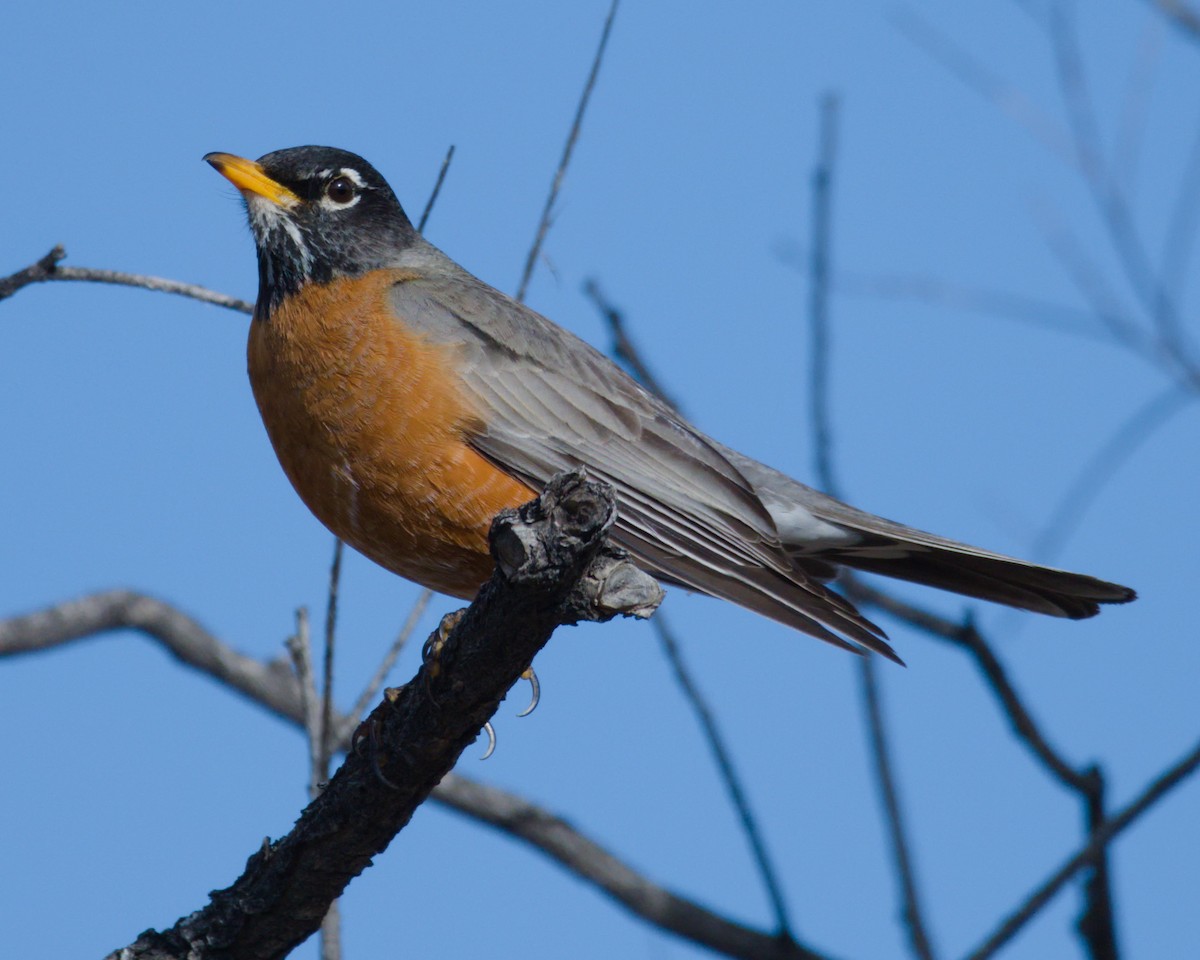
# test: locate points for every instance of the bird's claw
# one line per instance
(367, 734)
(535, 691)
(491, 732)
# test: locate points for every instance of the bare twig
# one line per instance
(331, 933)
(1097, 842)
(626, 351)
(818, 304)
(581, 855)
(724, 761)
(972, 73)
(331, 924)
(1179, 238)
(437, 188)
(910, 898)
(36, 272)
(271, 685)
(967, 636)
(569, 148)
(331, 610)
(1093, 284)
(299, 646)
(48, 269)
(822, 429)
(1097, 924)
(367, 697)
(1103, 464)
(1106, 193)
(960, 297)
(1130, 130)
(623, 347)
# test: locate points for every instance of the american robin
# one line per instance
(408, 402)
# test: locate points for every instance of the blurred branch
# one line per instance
(822, 428)
(331, 611)
(1106, 193)
(1179, 239)
(1092, 283)
(1164, 340)
(967, 637)
(627, 352)
(299, 646)
(818, 306)
(331, 923)
(568, 149)
(953, 296)
(1096, 925)
(885, 779)
(579, 854)
(1135, 106)
(1098, 842)
(1181, 15)
(271, 685)
(372, 688)
(1103, 464)
(623, 347)
(729, 776)
(972, 73)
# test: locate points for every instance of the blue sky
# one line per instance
(135, 456)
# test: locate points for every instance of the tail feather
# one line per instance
(818, 529)
(1015, 583)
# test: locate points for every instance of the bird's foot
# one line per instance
(432, 650)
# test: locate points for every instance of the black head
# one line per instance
(317, 213)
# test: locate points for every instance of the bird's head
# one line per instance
(317, 214)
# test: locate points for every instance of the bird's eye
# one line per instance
(340, 190)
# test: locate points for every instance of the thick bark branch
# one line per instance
(554, 566)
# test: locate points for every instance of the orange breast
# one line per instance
(369, 424)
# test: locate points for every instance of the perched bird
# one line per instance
(408, 402)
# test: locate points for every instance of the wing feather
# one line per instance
(554, 403)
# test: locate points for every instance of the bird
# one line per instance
(409, 402)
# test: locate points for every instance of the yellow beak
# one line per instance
(249, 177)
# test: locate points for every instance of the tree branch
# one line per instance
(1098, 841)
(580, 855)
(627, 353)
(822, 428)
(553, 566)
(568, 149)
(47, 269)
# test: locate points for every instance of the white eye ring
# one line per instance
(343, 190)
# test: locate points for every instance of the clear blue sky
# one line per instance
(134, 455)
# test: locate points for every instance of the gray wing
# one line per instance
(553, 403)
